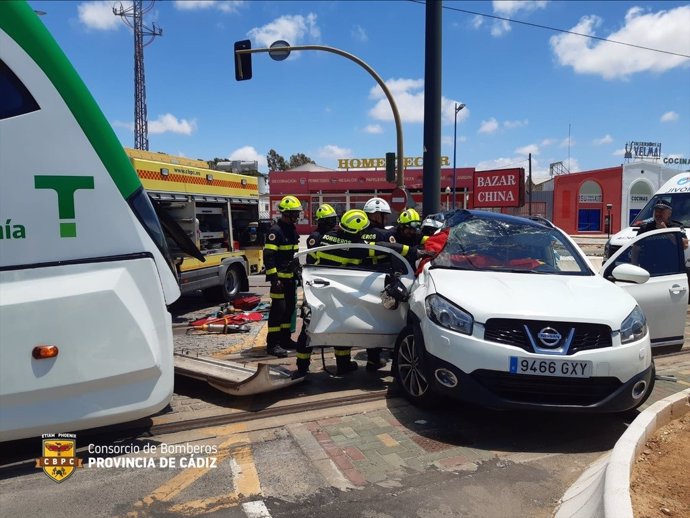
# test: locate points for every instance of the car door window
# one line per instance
(659, 254)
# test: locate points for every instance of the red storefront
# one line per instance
(351, 189)
(581, 199)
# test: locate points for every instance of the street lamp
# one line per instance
(609, 206)
(458, 107)
(447, 189)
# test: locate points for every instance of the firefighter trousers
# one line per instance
(283, 303)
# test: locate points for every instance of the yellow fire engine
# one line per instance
(217, 210)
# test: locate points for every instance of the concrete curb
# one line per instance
(603, 490)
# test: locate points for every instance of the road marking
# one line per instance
(245, 477)
(256, 509)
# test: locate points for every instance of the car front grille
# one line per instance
(546, 390)
(514, 332)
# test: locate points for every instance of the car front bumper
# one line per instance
(481, 370)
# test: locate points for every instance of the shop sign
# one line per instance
(373, 163)
(499, 188)
(590, 198)
(675, 160)
(636, 149)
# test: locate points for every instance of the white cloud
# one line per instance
(331, 151)
(99, 15)
(488, 126)
(509, 8)
(226, 6)
(567, 142)
(548, 142)
(663, 30)
(291, 28)
(374, 129)
(248, 153)
(359, 34)
(618, 152)
(526, 150)
(477, 21)
(168, 123)
(409, 99)
(669, 117)
(515, 124)
(606, 139)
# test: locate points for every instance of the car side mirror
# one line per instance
(630, 273)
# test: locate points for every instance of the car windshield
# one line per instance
(495, 243)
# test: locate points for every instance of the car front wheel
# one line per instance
(408, 368)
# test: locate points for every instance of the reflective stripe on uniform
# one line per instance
(424, 238)
(337, 259)
(346, 352)
(285, 247)
(268, 246)
(282, 275)
(405, 249)
(286, 326)
(277, 295)
(304, 356)
(271, 271)
(274, 329)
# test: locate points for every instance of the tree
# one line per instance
(275, 161)
(298, 160)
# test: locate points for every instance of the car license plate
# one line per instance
(561, 368)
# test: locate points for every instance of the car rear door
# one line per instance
(664, 297)
(345, 303)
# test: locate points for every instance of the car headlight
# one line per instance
(448, 315)
(634, 326)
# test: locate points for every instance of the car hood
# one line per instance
(535, 296)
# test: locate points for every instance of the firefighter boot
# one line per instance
(374, 361)
(302, 367)
(276, 350)
(343, 363)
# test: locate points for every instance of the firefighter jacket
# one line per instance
(282, 242)
(358, 256)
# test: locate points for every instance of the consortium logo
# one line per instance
(59, 461)
(676, 160)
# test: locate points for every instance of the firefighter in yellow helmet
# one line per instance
(352, 224)
(326, 220)
(282, 242)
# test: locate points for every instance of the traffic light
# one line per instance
(390, 167)
(243, 62)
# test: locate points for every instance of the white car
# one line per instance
(510, 314)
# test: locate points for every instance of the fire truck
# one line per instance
(217, 210)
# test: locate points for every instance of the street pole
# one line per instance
(458, 107)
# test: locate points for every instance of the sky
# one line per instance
(528, 85)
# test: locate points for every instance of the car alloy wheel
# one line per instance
(409, 368)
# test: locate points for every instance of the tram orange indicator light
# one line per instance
(41, 352)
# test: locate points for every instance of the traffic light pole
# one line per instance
(399, 179)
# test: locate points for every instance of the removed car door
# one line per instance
(345, 302)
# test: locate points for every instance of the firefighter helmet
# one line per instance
(289, 203)
(409, 217)
(377, 205)
(354, 221)
(325, 211)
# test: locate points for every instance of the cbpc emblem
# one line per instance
(59, 460)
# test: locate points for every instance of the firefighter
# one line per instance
(352, 225)
(326, 220)
(377, 210)
(282, 242)
(408, 228)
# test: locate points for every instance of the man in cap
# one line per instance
(662, 219)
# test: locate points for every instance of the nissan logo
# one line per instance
(549, 337)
